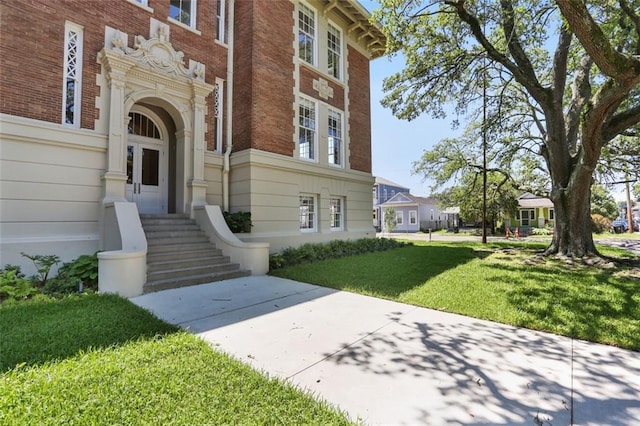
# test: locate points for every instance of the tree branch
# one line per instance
(612, 63)
(581, 92)
(621, 122)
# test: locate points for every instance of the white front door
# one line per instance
(147, 174)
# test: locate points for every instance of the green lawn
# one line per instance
(503, 282)
(102, 360)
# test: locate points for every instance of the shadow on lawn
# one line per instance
(40, 331)
(474, 372)
(594, 307)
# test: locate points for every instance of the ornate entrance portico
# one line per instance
(153, 72)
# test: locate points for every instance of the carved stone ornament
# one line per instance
(322, 86)
(158, 53)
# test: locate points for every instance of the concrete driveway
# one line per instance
(390, 363)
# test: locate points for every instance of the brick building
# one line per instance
(170, 105)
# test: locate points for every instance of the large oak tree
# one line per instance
(560, 82)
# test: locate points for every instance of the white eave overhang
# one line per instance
(359, 27)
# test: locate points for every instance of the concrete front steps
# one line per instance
(179, 254)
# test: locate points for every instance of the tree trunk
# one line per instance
(572, 235)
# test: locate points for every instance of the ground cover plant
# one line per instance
(505, 282)
(99, 359)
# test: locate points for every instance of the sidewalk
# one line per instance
(388, 363)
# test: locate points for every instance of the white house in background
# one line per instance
(414, 213)
(383, 190)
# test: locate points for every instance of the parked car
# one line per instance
(622, 225)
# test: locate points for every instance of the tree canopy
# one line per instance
(553, 86)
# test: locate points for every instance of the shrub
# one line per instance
(83, 270)
(541, 231)
(600, 224)
(238, 222)
(312, 252)
(13, 284)
(43, 264)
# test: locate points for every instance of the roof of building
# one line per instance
(383, 181)
(405, 199)
(528, 200)
(357, 17)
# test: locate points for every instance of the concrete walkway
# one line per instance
(390, 363)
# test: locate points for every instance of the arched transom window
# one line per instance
(141, 125)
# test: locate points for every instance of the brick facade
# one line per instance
(359, 112)
(263, 76)
(33, 54)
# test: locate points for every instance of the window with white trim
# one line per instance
(399, 218)
(183, 11)
(431, 215)
(307, 213)
(218, 100)
(335, 137)
(72, 85)
(307, 111)
(334, 52)
(413, 217)
(336, 209)
(306, 34)
(220, 22)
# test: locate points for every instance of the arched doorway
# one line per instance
(147, 161)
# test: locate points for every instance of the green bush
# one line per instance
(312, 252)
(13, 284)
(43, 264)
(239, 221)
(83, 270)
(541, 231)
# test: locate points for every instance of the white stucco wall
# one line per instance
(50, 190)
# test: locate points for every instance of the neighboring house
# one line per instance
(383, 190)
(452, 217)
(165, 106)
(414, 213)
(533, 212)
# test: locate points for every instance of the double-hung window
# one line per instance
(399, 218)
(336, 208)
(335, 137)
(334, 52)
(307, 129)
(72, 86)
(220, 22)
(307, 213)
(307, 34)
(183, 11)
(413, 217)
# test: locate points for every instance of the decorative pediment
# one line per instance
(156, 53)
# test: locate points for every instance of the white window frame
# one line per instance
(311, 14)
(337, 51)
(308, 219)
(413, 217)
(304, 102)
(218, 114)
(192, 14)
(331, 140)
(336, 213)
(221, 28)
(431, 214)
(400, 218)
(72, 71)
